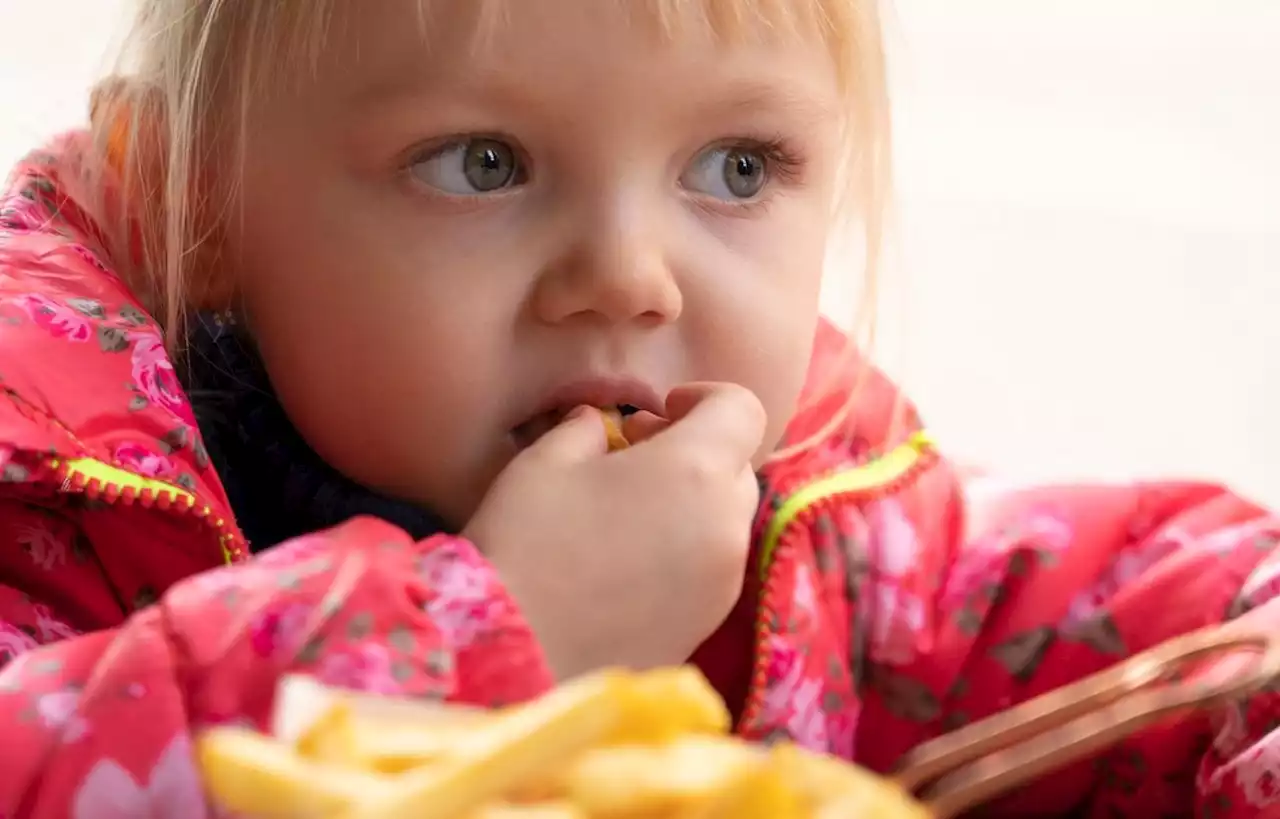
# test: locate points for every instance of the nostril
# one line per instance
(627, 409)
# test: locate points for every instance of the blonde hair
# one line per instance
(191, 68)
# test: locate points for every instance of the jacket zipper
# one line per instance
(109, 484)
(917, 456)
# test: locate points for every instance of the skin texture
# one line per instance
(408, 329)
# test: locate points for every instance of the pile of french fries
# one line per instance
(612, 745)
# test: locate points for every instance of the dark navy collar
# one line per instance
(279, 488)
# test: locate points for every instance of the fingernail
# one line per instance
(578, 412)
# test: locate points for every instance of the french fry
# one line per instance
(613, 429)
(668, 702)
(612, 745)
(837, 789)
(252, 775)
(514, 751)
(762, 793)
(302, 703)
(660, 781)
(549, 810)
(346, 737)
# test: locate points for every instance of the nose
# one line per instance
(614, 269)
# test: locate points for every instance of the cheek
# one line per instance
(757, 309)
(339, 275)
(780, 379)
(372, 347)
(359, 381)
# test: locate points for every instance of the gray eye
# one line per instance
(470, 167)
(727, 173)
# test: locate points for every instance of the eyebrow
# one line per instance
(752, 95)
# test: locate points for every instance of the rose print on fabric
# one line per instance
(797, 702)
(792, 699)
(784, 667)
(1023, 653)
(279, 633)
(215, 584)
(59, 712)
(22, 211)
(141, 461)
(842, 728)
(905, 697)
(893, 612)
(55, 319)
(288, 563)
(14, 642)
(983, 567)
(804, 597)
(45, 547)
(171, 788)
(1127, 566)
(185, 438)
(986, 560)
(50, 629)
(807, 722)
(1232, 736)
(466, 600)
(307, 549)
(154, 380)
(368, 667)
(94, 260)
(1257, 773)
(1259, 534)
(1262, 585)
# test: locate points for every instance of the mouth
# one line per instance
(623, 396)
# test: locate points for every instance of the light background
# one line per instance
(1087, 275)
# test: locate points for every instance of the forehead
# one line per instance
(376, 48)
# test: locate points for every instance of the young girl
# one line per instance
(391, 246)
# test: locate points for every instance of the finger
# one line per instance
(579, 436)
(749, 484)
(642, 426)
(726, 418)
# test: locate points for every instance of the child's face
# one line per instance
(439, 232)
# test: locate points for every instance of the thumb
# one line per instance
(579, 436)
(642, 426)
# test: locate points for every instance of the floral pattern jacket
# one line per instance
(891, 598)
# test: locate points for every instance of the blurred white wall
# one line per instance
(1087, 275)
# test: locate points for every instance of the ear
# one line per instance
(130, 121)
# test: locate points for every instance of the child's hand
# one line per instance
(631, 558)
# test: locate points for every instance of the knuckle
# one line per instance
(700, 470)
(746, 400)
(754, 407)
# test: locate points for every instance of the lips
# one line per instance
(623, 394)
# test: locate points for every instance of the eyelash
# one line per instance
(780, 157)
(783, 161)
(426, 150)
(784, 164)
